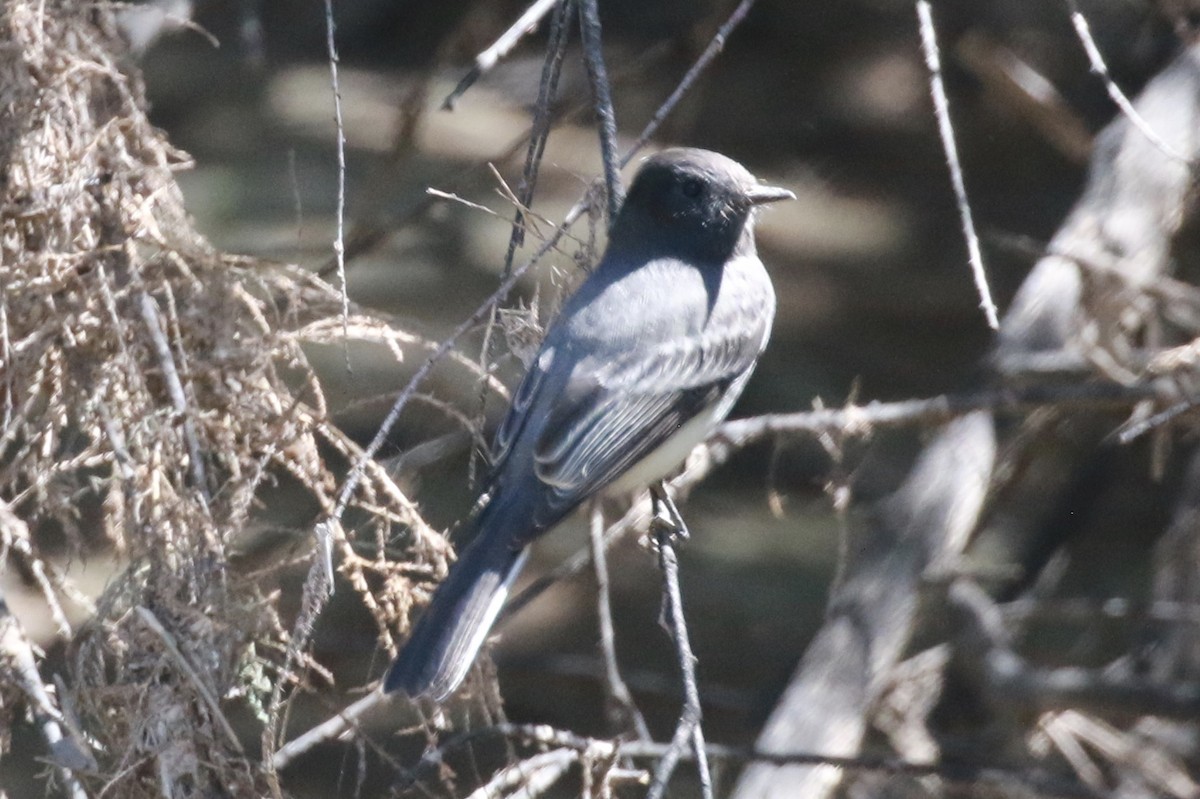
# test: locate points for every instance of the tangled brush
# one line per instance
(150, 388)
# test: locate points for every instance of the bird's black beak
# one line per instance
(760, 195)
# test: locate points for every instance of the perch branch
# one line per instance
(667, 531)
(963, 774)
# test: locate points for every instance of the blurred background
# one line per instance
(830, 100)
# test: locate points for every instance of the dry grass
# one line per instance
(150, 386)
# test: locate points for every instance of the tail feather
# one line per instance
(450, 633)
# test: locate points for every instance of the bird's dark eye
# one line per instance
(691, 188)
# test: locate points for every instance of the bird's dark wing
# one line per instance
(518, 413)
(608, 419)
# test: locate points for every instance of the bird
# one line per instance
(644, 359)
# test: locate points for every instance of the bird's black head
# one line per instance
(691, 203)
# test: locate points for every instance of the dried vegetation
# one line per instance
(150, 387)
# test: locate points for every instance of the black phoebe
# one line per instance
(647, 356)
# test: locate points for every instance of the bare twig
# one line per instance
(966, 774)
(162, 348)
(715, 46)
(861, 420)
(620, 700)
(331, 729)
(849, 421)
(484, 62)
(689, 729)
(447, 195)
(339, 241)
(1096, 61)
(502, 291)
(533, 776)
(151, 621)
(593, 58)
(539, 131)
(941, 107)
(1156, 421)
(313, 597)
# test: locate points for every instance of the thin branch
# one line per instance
(620, 700)
(967, 774)
(152, 316)
(539, 131)
(486, 60)
(715, 46)
(533, 776)
(941, 107)
(332, 729)
(1156, 421)
(314, 594)
(339, 241)
(689, 729)
(861, 420)
(852, 420)
(593, 59)
(151, 621)
(1096, 60)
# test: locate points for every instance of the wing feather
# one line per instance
(622, 412)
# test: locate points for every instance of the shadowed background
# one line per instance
(875, 298)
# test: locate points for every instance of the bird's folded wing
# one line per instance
(518, 414)
(609, 419)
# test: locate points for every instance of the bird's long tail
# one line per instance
(464, 607)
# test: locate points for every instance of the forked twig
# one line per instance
(539, 131)
(667, 531)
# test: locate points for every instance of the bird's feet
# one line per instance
(665, 519)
